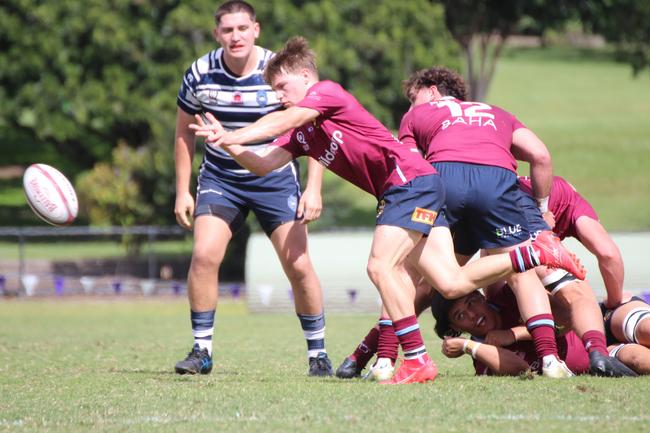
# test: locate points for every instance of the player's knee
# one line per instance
(299, 267)
(376, 270)
(204, 258)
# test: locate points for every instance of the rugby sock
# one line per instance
(388, 343)
(203, 328)
(542, 328)
(313, 326)
(366, 349)
(408, 333)
(595, 341)
(524, 258)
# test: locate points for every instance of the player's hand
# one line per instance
(549, 218)
(184, 209)
(500, 337)
(452, 347)
(310, 206)
(209, 128)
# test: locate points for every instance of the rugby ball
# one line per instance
(50, 194)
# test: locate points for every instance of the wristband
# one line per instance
(542, 204)
(474, 349)
(465, 344)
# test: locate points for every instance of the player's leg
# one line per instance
(290, 243)
(596, 239)
(211, 237)
(634, 356)
(390, 247)
(353, 365)
(630, 323)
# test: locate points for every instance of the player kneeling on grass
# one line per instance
(334, 129)
(499, 344)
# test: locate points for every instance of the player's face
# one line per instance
(290, 87)
(237, 33)
(472, 314)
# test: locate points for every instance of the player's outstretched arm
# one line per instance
(526, 146)
(311, 202)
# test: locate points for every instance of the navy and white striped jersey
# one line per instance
(208, 86)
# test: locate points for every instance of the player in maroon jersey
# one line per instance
(474, 147)
(569, 214)
(330, 126)
(500, 343)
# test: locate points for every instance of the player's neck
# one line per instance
(242, 66)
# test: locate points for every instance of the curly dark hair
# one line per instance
(448, 82)
(294, 56)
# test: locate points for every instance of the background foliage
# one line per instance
(90, 86)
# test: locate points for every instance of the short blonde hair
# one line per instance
(294, 56)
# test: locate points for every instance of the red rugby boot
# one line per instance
(553, 254)
(419, 370)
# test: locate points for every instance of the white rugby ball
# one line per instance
(50, 194)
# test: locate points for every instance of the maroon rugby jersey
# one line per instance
(566, 204)
(452, 130)
(570, 347)
(348, 140)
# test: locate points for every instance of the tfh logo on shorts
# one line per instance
(506, 232)
(424, 216)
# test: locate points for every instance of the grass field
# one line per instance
(106, 366)
(594, 117)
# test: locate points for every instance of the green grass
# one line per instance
(594, 117)
(100, 365)
(89, 250)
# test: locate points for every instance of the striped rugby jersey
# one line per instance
(208, 86)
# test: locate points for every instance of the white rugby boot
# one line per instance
(554, 368)
(381, 370)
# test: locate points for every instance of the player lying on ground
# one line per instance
(500, 344)
(228, 83)
(333, 128)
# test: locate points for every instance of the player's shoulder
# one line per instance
(264, 55)
(207, 62)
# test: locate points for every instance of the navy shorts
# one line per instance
(272, 198)
(536, 223)
(482, 206)
(417, 205)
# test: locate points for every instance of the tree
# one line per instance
(482, 27)
(623, 22)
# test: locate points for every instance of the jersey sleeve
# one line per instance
(405, 134)
(289, 142)
(516, 123)
(186, 99)
(324, 97)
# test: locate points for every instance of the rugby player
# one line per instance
(628, 333)
(227, 83)
(329, 124)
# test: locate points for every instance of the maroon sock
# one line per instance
(367, 348)
(388, 344)
(595, 341)
(410, 338)
(542, 328)
(523, 258)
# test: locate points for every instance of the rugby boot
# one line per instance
(381, 370)
(348, 369)
(553, 254)
(606, 366)
(198, 361)
(419, 370)
(320, 365)
(554, 368)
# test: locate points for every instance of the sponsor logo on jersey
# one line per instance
(424, 216)
(330, 153)
(314, 95)
(212, 94)
(507, 231)
(261, 97)
(300, 136)
(237, 98)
